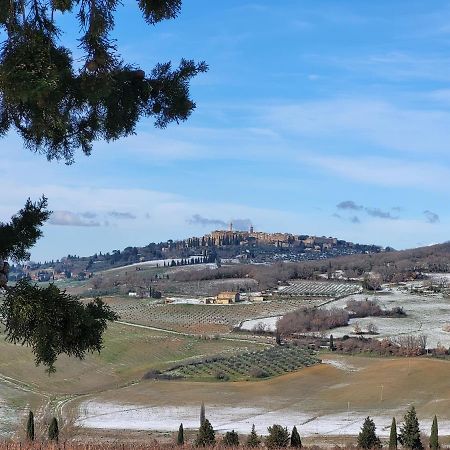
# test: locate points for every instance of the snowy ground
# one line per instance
(129, 417)
(425, 315)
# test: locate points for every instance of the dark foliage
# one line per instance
(409, 435)
(58, 108)
(434, 436)
(30, 426)
(180, 435)
(24, 229)
(53, 430)
(52, 322)
(367, 439)
(231, 439)
(253, 440)
(206, 435)
(278, 437)
(296, 441)
(393, 435)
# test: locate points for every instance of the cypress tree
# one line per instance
(434, 437)
(180, 437)
(367, 438)
(295, 438)
(393, 435)
(253, 439)
(231, 439)
(206, 436)
(53, 430)
(409, 435)
(332, 347)
(202, 414)
(30, 426)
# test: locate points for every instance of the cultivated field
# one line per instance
(319, 289)
(200, 318)
(265, 363)
(327, 400)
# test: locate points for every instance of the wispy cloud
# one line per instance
(379, 213)
(431, 217)
(68, 218)
(197, 219)
(349, 204)
(121, 215)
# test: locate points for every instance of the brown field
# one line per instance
(419, 381)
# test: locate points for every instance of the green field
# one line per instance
(128, 353)
(265, 363)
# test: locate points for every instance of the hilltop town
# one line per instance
(245, 246)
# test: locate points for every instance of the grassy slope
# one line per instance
(321, 389)
(128, 353)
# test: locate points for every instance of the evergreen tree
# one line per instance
(367, 438)
(30, 427)
(409, 435)
(231, 439)
(53, 430)
(202, 414)
(206, 436)
(434, 437)
(278, 437)
(58, 105)
(253, 440)
(332, 347)
(71, 327)
(180, 436)
(295, 438)
(393, 435)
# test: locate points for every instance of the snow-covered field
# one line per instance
(426, 315)
(168, 418)
(269, 323)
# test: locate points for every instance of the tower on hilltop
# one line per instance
(231, 226)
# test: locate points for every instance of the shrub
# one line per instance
(278, 437)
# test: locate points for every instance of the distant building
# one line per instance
(226, 298)
(132, 294)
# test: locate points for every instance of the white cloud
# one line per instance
(375, 122)
(384, 171)
(68, 218)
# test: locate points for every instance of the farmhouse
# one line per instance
(225, 298)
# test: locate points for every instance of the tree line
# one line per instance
(409, 435)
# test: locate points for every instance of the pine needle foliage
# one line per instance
(52, 322)
(48, 320)
(230, 439)
(57, 106)
(409, 435)
(253, 440)
(278, 437)
(367, 439)
(206, 436)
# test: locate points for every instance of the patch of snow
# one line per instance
(168, 418)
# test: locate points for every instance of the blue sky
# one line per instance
(316, 117)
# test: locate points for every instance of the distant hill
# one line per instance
(223, 244)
